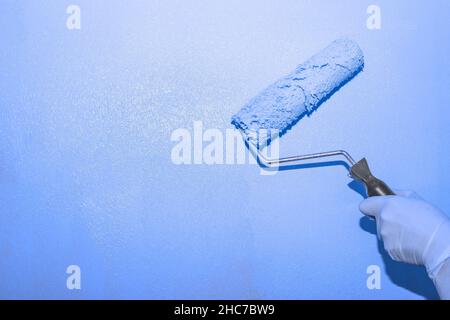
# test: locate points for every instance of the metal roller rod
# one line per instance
(288, 160)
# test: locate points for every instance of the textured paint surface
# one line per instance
(286, 101)
(86, 176)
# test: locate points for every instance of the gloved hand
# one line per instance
(412, 230)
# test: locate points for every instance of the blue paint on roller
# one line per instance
(285, 102)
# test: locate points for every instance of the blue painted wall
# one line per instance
(86, 175)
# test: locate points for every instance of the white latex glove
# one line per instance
(415, 232)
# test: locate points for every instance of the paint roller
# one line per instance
(280, 106)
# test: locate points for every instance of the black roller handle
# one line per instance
(374, 186)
